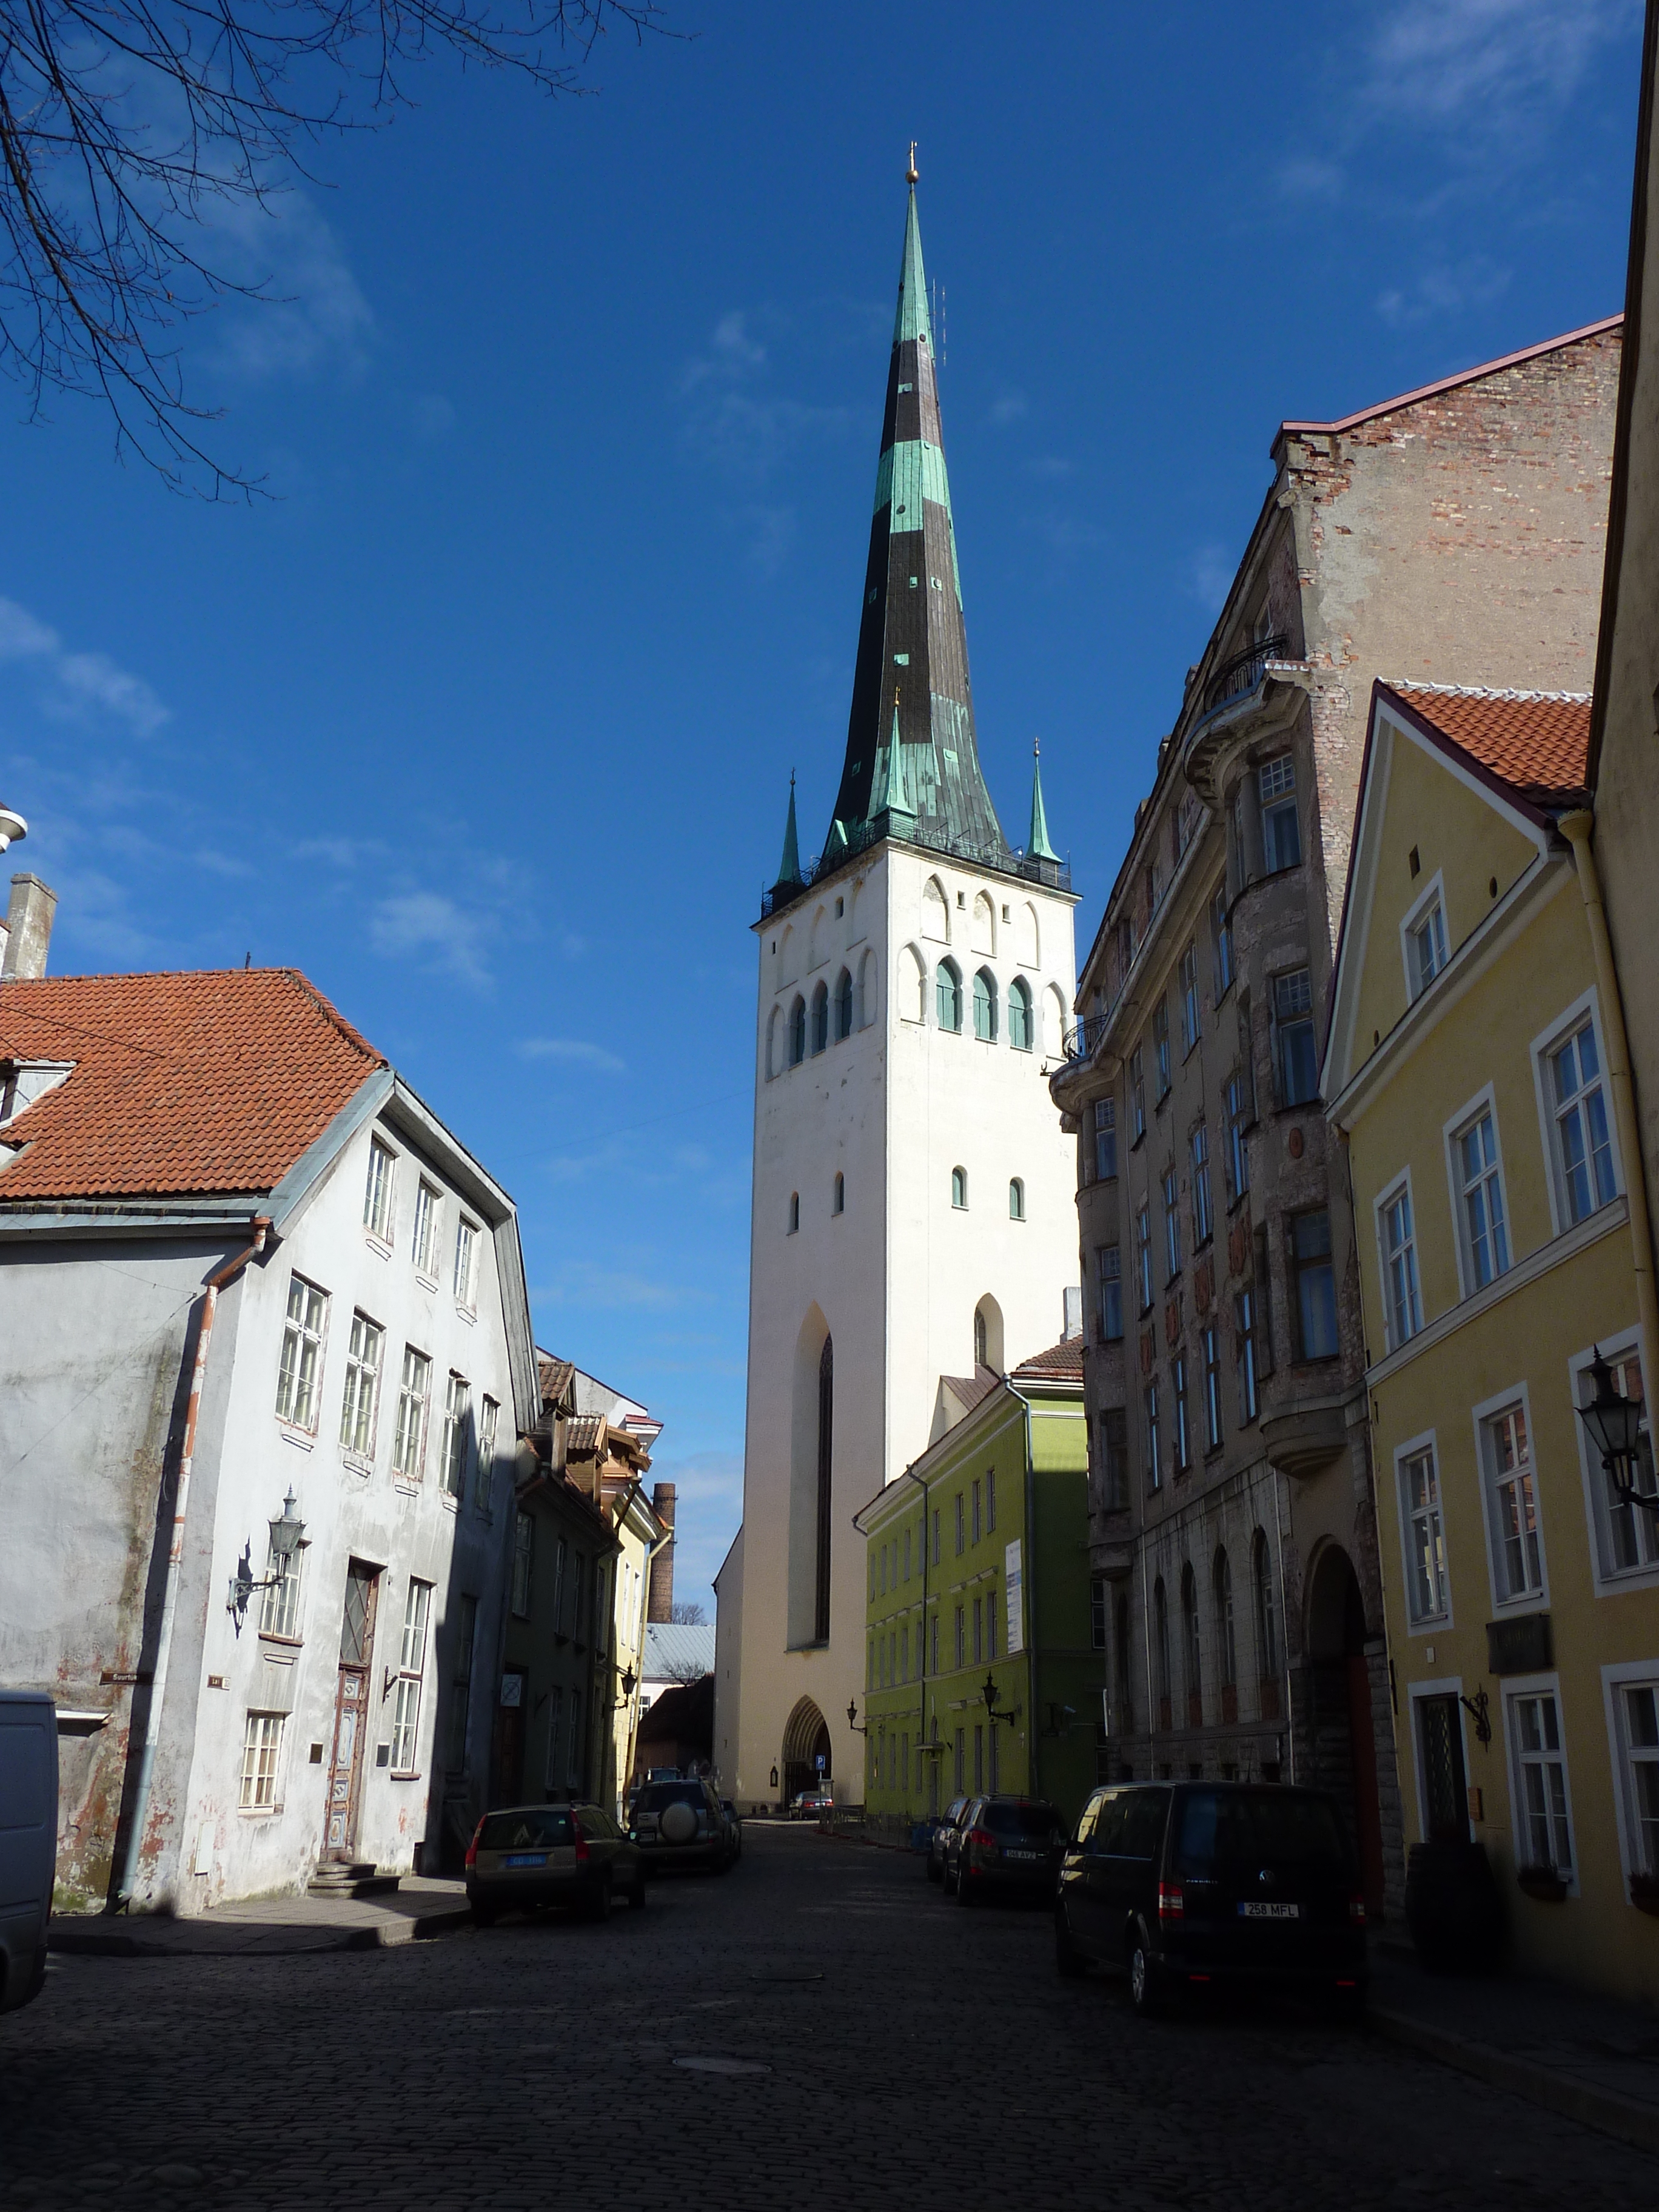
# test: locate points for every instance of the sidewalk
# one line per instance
(270, 1926)
(1593, 2059)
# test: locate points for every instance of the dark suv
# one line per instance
(945, 1829)
(681, 1824)
(1007, 1846)
(1190, 1883)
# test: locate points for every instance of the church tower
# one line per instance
(913, 1212)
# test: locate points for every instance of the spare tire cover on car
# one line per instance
(678, 1823)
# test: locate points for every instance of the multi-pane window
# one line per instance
(1188, 998)
(1425, 947)
(1244, 1335)
(1427, 1590)
(429, 1206)
(1181, 1435)
(460, 1685)
(933, 1644)
(960, 1626)
(1109, 1280)
(1629, 1534)
(1399, 1268)
(1137, 1096)
(465, 1273)
(1638, 1712)
(1144, 1254)
(1016, 1198)
(300, 1371)
(458, 1410)
(1486, 1232)
(985, 1006)
(411, 1664)
(1239, 1155)
(1583, 1146)
(950, 997)
(1161, 1045)
(377, 1193)
(1154, 1459)
(261, 1747)
(959, 1189)
(1540, 1769)
(1314, 1283)
(1266, 1615)
(1221, 943)
(280, 1613)
(490, 1414)
(1172, 1188)
(1512, 1506)
(1281, 842)
(975, 1522)
(960, 1526)
(979, 1630)
(523, 1559)
(990, 1507)
(1105, 1139)
(1115, 1459)
(362, 1383)
(1099, 1604)
(1022, 1023)
(1293, 1028)
(1203, 1205)
(415, 1390)
(1210, 1342)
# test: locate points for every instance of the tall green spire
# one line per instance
(789, 873)
(1038, 847)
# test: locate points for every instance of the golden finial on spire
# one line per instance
(912, 172)
(1036, 749)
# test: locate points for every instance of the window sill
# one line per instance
(285, 1643)
(260, 1812)
(409, 1489)
(354, 1463)
(404, 1774)
(377, 1244)
(450, 1504)
(301, 1439)
(468, 1314)
(427, 1282)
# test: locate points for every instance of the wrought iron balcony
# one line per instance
(1236, 677)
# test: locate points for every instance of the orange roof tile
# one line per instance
(215, 1080)
(1060, 1362)
(1538, 742)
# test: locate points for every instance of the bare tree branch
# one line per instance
(129, 128)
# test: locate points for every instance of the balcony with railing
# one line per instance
(1234, 685)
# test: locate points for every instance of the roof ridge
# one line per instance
(1486, 691)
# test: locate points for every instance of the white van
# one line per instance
(29, 1840)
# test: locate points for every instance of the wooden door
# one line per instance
(351, 1712)
(1445, 1794)
(509, 1737)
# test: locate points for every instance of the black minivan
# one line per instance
(1190, 1883)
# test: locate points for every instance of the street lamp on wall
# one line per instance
(1613, 1424)
(287, 1532)
(991, 1694)
(858, 1727)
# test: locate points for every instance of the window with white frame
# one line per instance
(1203, 1204)
(1210, 1341)
(1154, 1460)
(1293, 1031)
(362, 1383)
(1517, 1566)
(1427, 1592)
(1161, 1045)
(1143, 1255)
(1399, 1284)
(1181, 1433)
(1578, 1106)
(377, 1193)
(1482, 1222)
(411, 1665)
(1628, 1535)
(458, 1409)
(429, 1206)
(1281, 842)
(1543, 1819)
(1245, 1344)
(1108, 1276)
(1636, 1723)
(466, 1263)
(1313, 1272)
(279, 1615)
(1238, 1156)
(490, 1414)
(300, 1371)
(262, 1751)
(1105, 1139)
(1137, 1096)
(413, 1393)
(1188, 998)
(1172, 1190)
(1425, 945)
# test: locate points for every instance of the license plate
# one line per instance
(1270, 1911)
(1025, 1855)
(525, 1858)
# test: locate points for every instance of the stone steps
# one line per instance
(346, 1878)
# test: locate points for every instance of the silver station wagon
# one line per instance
(533, 1855)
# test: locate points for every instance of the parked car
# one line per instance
(943, 1828)
(733, 1826)
(681, 1824)
(29, 1840)
(1010, 1846)
(808, 1804)
(532, 1854)
(1197, 1883)
(951, 1854)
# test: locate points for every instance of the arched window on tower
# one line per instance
(820, 1017)
(844, 1005)
(798, 1032)
(839, 1203)
(1021, 1023)
(959, 1188)
(982, 1338)
(950, 997)
(775, 1043)
(867, 990)
(985, 1006)
(1016, 1200)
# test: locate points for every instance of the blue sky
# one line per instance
(570, 413)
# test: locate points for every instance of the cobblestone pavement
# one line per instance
(819, 2026)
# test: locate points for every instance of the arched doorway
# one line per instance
(806, 1740)
(1341, 1740)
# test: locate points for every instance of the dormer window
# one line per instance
(23, 1081)
(1427, 939)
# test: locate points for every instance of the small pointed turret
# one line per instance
(1038, 847)
(789, 873)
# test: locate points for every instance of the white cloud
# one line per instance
(80, 686)
(1209, 572)
(1449, 58)
(577, 1051)
(590, 1284)
(313, 313)
(1441, 291)
(416, 922)
(21, 637)
(1053, 468)
(342, 852)
(731, 420)
(1311, 179)
(1008, 409)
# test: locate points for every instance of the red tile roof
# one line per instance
(215, 1080)
(1538, 742)
(1060, 1362)
(971, 1390)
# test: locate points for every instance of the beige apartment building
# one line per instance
(1453, 535)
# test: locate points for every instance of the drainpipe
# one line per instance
(1028, 1579)
(260, 1225)
(910, 1475)
(1576, 828)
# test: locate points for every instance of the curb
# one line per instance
(1604, 2110)
(90, 1943)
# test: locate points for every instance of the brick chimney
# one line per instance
(659, 1598)
(28, 929)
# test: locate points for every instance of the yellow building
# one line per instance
(1476, 1064)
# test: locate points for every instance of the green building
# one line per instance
(984, 1661)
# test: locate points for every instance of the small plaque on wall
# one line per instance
(1522, 1645)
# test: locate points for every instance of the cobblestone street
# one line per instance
(820, 2025)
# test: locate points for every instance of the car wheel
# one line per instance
(1145, 1988)
(1070, 1961)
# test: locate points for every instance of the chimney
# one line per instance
(660, 1599)
(1073, 1329)
(28, 929)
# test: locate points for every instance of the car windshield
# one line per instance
(1222, 1830)
(658, 1796)
(542, 1830)
(1020, 1819)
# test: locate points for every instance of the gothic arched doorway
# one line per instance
(1342, 1740)
(806, 1740)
